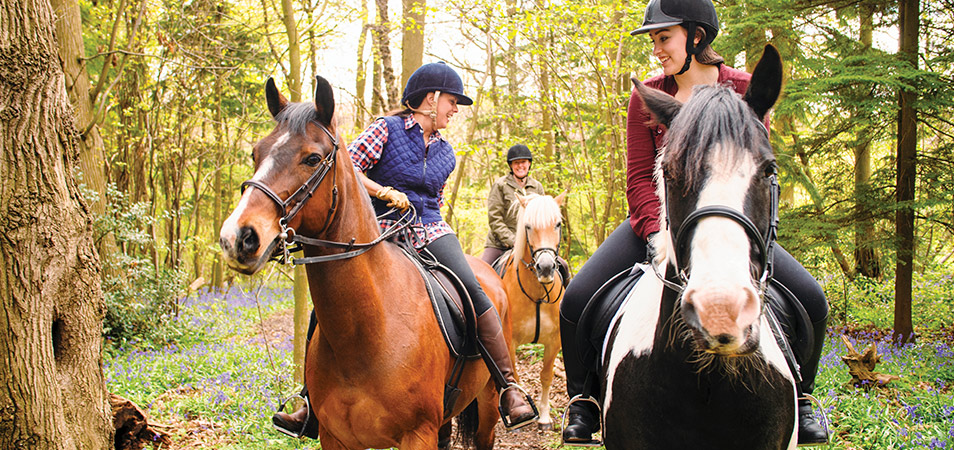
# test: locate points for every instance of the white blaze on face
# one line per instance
(235, 220)
(720, 286)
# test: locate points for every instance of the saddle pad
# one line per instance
(447, 295)
(599, 313)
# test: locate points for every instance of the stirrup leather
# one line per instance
(303, 432)
(592, 442)
(506, 418)
(825, 423)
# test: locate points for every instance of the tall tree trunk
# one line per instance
(867, 261)
(361, 74)
(384, 51)
(91, 160)
(294, 51)
(302, 300)
(907, 174)
(51, 302)
(412, 47)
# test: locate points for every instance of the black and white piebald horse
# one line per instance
(691, 360)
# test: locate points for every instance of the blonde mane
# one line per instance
(541, 212)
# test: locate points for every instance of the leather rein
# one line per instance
(291, 242)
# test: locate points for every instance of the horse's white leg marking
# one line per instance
(637, 324)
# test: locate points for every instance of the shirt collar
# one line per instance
(410, 121)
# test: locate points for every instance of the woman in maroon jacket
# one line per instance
(685, 63)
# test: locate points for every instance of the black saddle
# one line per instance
(500, 264)
(448, 294)
(602, 307)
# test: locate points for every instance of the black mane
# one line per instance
(714, 115)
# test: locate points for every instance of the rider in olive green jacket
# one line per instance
(501, 216)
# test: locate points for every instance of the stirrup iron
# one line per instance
(592, 442)
(506, 419)
(303, 432)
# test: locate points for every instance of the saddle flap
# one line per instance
(598, 314)
(500, 264)
(448, 294)
(795, 322)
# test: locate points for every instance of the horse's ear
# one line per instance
(662, 106)
(522, 200)
(276, 101)
(324, 100)
(561, 199)
(766, 82)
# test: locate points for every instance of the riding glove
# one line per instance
(394, 197)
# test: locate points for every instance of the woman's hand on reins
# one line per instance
(394, 197)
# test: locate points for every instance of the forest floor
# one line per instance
(197, 434)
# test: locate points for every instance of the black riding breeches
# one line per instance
(448, 252)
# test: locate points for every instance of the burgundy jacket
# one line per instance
(643, 139)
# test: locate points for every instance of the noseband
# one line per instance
(291, 242)
(547, 298)
(765, 243)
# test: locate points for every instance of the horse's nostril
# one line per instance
(246, 240)
(724, 339)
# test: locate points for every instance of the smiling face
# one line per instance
(520, 168)
(669, 47)
(446, 108)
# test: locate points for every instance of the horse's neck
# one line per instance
(346, 293)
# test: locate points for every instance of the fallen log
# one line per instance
(133, 431)
(861, 366)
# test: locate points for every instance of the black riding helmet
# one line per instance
(434, 77)
(519, 151)
(689, 14)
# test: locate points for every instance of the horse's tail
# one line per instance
(467, 423)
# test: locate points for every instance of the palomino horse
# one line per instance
(535, 287)
(376, 368)
(692, 361)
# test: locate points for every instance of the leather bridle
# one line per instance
(534, 253)
(765, 243)
(290, 241)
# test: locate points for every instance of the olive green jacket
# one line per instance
(501, 217)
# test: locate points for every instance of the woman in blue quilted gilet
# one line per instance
(403, 160)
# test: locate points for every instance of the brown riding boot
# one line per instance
(517, 409)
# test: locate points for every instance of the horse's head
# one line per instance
(539, 224)
(295, 162)
(716, 182)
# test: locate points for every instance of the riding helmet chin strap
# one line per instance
(691, 47)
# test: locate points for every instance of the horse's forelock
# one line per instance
(296, 117)
(714, 115)
(542, 211)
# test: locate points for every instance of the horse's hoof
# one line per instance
(545, 426)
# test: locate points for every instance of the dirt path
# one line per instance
(278, 328)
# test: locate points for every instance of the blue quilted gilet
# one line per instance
(407, 166)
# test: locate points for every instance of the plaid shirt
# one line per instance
(366, 150)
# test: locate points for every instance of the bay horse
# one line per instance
(692, 361)
(377, 365)
(535, 285)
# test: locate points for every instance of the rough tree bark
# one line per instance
(383, 43)
(51, 302)
(867, 260)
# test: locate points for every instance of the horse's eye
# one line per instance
(771, 169)
(312, 159)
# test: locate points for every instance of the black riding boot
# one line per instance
(810, 432)
(583, 417)
(517, 409)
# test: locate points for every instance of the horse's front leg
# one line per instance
(423, 437)
(546, 379)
